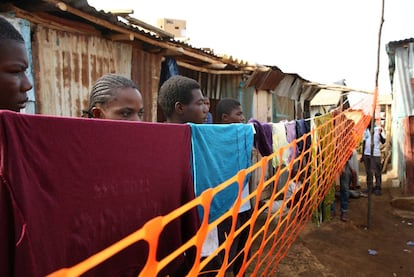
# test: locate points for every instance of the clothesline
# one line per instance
(337, 87)
(305, 119)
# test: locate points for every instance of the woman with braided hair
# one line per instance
(115, 97)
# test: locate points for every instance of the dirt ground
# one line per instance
(337, 248)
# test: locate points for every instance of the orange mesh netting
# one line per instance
(274, 223)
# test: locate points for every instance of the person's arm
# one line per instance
(363, 151)
(381, 135)
(353, 177)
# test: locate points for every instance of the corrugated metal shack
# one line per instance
(73, 44)
(401, 65)
(280, 96)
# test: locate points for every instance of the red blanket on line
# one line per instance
(70, 187)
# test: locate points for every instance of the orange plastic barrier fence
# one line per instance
(274, 223)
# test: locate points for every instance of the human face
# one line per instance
(235, 116)
(196, 111)
(126, 105)
(14, 83)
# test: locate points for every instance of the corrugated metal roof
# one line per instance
(390, 48)
(101, 23)
(84, 6)
(283, 84)
(265, 78)
(309, 92)
(399, 43)
(272, 79)
(107, 24)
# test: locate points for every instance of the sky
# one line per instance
(321, 40)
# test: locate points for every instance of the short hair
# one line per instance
(105, 89)
(226, 106)
(7, 31)
(176, 89)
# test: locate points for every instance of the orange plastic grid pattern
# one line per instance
(271, 232)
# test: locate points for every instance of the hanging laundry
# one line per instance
(325, 160)
(262, 137)
(218, 153)
(71, 187)
(290, 137)
(304, 142)
(279, 140)
(303, 128)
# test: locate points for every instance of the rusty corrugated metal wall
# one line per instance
(67, 65)
(146, 71)
(213, 85)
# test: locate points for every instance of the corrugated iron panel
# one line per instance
(291, 86)
(215, 86)
(272, 80)
(283, 89)
(68, 64)
(309, 92)
(146, 71)
(265, 80)
(230, 86)
(296, 89)
(256, 78)
(246, 99)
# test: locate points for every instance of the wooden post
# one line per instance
(373, 112)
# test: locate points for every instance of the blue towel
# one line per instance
(218, 153)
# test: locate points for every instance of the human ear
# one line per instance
(97, 112)
(224, 118)
(179, 107)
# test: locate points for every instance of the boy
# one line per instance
(230, 111)
(182, 101)
(209, 119)
(14, 83)
(373, 163)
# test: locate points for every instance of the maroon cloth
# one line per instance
(71, 187)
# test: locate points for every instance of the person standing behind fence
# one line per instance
(345, 181)
(115, 97)
(209, 119)
(14, 82)
(373, 163)
(182, 101)
(230, 111)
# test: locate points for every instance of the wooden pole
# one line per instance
(374, 104)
